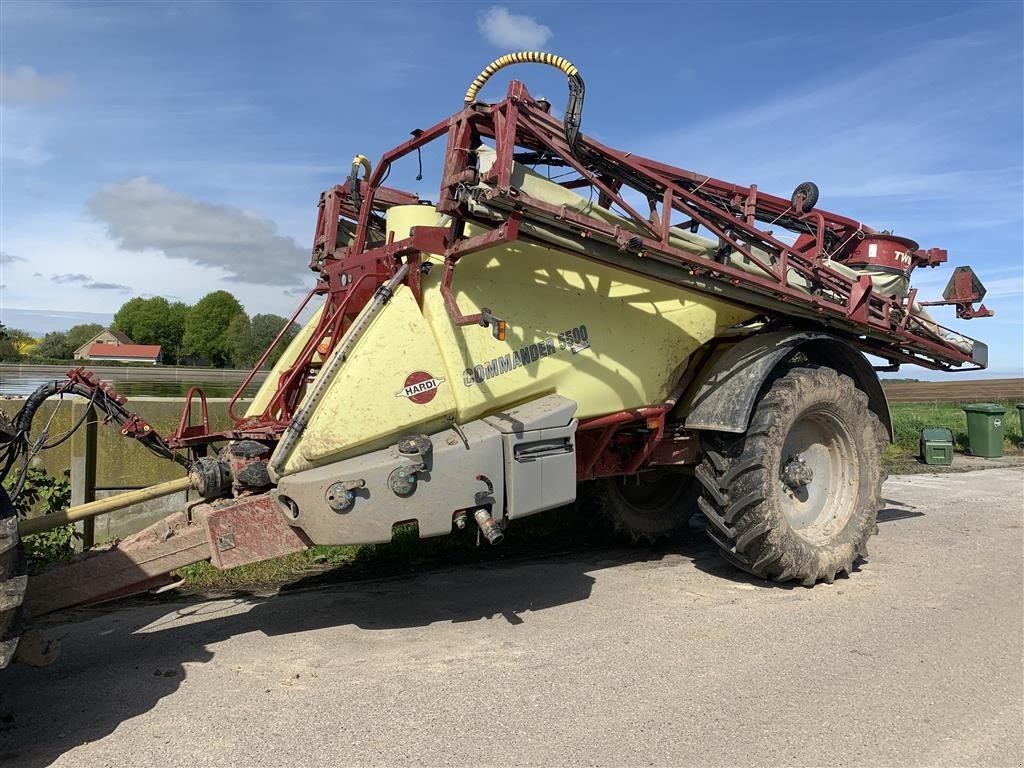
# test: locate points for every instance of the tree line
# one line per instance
(215, 331)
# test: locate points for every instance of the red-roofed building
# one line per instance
(125, 353)
(114, 346)
(106, 336)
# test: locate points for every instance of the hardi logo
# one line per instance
(420, 387)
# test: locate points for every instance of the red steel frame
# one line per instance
(350, 272)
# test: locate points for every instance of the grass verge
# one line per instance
(908, 419)
(571, 527)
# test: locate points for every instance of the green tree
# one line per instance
(238, 334)
(14, 343)
(251, 338)
(153, 321)
(53, 346)
(174, 329)
(206, 327)
(79, 334)
(265, 329)
(131, 319)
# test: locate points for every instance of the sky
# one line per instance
(179, 148)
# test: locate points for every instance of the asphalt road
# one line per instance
(610, 657)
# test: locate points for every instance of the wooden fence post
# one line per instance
(83, 473)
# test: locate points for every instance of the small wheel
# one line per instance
(809, 190)
(13, 580)
(797, 497)
(649, 506)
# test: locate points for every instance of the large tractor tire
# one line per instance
(797, 496)
(649, 506)
(13, 580)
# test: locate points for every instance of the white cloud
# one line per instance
(9, 258)
(26, 87)
(83, 244)
(511, 30)
(145, 216)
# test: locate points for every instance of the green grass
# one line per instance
(268, 573)
(554, 530)
(908, 419)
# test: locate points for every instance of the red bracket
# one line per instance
(135, 426)
(963, 290)
(185, 428)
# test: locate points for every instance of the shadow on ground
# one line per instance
(110, 672)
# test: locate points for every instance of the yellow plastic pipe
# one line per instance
(101, 506)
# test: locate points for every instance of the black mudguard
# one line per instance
(727, 389)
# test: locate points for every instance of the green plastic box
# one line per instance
(985, 429)
(937, 446)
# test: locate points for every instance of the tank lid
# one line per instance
(937, 434)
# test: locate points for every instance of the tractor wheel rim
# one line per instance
(817, 479)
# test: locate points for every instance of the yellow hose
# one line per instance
(363, 161)
(521, 57)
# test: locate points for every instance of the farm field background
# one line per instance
(955, 391)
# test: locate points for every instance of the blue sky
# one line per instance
(180, 148)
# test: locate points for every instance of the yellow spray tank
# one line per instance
(604, 338)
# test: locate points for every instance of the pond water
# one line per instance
(130, 382)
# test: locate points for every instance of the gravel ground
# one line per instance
(603, 657)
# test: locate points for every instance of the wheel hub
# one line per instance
(817, 476)
(796, 473)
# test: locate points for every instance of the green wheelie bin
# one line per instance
(985, 429)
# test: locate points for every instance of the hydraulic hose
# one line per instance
(573, 110)
(573, 119)
(364, 161)
(520, 57)
(20, 446)
(353, 180)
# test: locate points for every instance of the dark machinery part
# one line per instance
(210, 477)
(805, 197)
(402, 481)
(248, 460)
(341, 496)
(416, 445)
